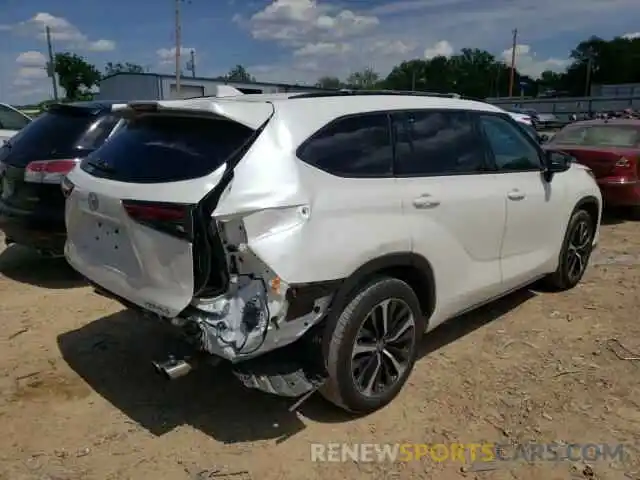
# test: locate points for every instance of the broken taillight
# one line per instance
(625, 167)
(67, 187)
(48, 171)
(170, 218)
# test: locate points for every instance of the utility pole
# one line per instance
(587, 81)
(513, 61)
(413, 81)
(178, 34)
(191, 64)
(51, 67)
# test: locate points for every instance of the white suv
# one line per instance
(311, 239)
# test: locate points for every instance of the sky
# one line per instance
(294, 40)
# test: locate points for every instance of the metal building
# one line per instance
(153, 86)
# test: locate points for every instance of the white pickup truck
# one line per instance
(11, 122)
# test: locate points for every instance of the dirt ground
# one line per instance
(79, 400)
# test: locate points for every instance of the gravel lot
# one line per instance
(79, 400)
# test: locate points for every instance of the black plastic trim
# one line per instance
(302, 297)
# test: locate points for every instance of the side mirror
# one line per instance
(555, 162)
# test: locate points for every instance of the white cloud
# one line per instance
(441, 48)
(167, 56)
(31, 73)
(631, 36)
(62, 31)
(392, 48)
(31, 59)
(528, 63)
(102, 46)
(322, 49)
(297, 22)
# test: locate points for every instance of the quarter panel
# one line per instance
(350, 222)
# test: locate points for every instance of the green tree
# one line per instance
(330, 83)
(127, 67)
(75, 74)
(239, 74)
(366, 79)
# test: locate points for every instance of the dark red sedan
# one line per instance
(611, 148)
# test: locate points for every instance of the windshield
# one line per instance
(599, 136)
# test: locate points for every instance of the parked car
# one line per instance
(611, 148)
(12, 121)
(34, 161)
(532, 114)
(311, 239)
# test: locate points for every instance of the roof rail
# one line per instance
(349, 92)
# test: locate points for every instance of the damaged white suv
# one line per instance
(311, 238)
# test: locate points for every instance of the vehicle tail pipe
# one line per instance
(174, 368)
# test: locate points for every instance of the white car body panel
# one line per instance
(301, 225)
(460, 236)
(534, 224)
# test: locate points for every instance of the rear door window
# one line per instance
(432, 143)
(159, 149)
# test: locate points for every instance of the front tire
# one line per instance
(575, 253)
(373, 347)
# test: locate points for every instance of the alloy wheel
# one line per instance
(578, 250)
(383, 347)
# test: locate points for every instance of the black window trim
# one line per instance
(300, 150)
(489, 151)
(487, 165)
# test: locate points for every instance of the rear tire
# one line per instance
(575, 253)
(369, 360)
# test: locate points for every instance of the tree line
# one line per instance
(472, 72)
(478, 73)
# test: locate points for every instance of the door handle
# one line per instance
(515, 195)
(426, 201)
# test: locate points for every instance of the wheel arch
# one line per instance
(591, 205)
(410, 267)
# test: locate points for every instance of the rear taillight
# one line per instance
(171, 218)
(625, 167)
(623, 163)
(48, 171)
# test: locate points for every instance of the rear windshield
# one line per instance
(599, 136)
(69, 133)
(158, 149)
